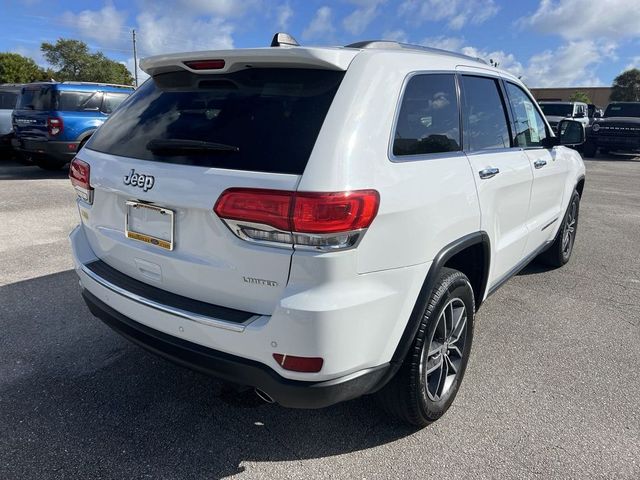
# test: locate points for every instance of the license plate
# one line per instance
(150, 224)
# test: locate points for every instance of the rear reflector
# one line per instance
(299, 364)
(80, 176)
(205, 64)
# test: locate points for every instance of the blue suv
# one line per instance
(52, 121)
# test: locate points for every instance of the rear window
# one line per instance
(36, 99)
(272, 116)
(8, 100)
(623, 110)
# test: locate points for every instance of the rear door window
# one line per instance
(428, 121)
(67, 101)
(485, 118)
(270, 117)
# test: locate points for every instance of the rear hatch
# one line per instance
(32, 111)
(261, 115)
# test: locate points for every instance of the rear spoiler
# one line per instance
(224, 61)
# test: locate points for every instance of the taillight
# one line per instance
(299, 364)
(205, 64)
(80, 176)
(323, 221)
(55, 125)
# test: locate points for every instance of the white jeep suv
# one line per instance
(320, 223)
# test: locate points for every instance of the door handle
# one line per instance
(488, 172)
(539, 163)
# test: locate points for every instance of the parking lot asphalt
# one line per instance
(552, 389)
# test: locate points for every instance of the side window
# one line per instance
(428, 121)
(112, 101)
(79, 101)
(530, 127)
(485, 119)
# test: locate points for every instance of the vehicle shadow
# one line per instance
(78, 400)
(12, 169)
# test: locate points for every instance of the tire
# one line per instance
(50, 164)
(589, 149)
(413, 395)
(559, 253)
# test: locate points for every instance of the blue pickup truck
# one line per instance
(53, 120)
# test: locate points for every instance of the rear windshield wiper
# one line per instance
(160, 146)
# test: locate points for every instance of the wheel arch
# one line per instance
(455, 255)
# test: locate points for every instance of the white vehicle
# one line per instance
(320, 223)
(9, 94)
(557, 111)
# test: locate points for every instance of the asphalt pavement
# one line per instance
(552, 389)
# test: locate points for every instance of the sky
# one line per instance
(548, 43)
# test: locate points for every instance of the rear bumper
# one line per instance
(62, 151)
(288, 393)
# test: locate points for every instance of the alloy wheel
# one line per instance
(445, 350)
(569, 232)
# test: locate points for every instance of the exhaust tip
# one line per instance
(264, 396)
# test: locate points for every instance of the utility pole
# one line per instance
(135, 58)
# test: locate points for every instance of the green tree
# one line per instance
(14, 68)
(578, 96)
(626, 86)
(72, 60)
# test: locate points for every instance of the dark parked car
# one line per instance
(618, 129)
(54, 120)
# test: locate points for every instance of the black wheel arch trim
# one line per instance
(438, 263)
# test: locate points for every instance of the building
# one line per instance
(598, 95)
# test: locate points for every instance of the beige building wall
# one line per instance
(598, 95)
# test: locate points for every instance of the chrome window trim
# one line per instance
(178, 312)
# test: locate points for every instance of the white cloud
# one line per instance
(635, 63)
(221, 8)
(358, 20)
(170, 33)
(580, 19)
(321, 25)
(569, 65)
(284, 13)
(106, 25)
(457, 13)
(453, 44)
(398, 35)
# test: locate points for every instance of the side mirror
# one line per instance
(579, 115)
(570, 132)
(598, 114)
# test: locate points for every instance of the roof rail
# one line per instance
(71, 82)
(391, 44)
